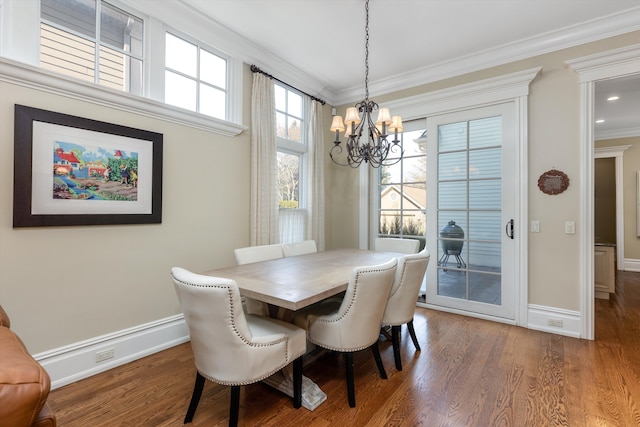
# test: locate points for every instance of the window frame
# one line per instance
(300, 149)
(20, 55)
(98, 45)
(200, 47)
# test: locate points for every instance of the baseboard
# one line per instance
(80, 360)
(554, 320)
(540, 318)
(631, 264)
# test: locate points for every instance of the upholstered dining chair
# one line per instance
(299, 248)
(229, 347)
(248, 255)
(352, 324)
(259, 253)
(390, 244)
(401, 304)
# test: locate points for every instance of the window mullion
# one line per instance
(96, 59)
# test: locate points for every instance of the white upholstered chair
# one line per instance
(229, 347)
(257, 253)
(401, 304)
(352, 324)
(252, 254)
(299, 248)
(391, 244)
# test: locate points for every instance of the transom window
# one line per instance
(94, 41)
(195, 78)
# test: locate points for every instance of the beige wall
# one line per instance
(58, 294)
(554, 132)
(631, 164)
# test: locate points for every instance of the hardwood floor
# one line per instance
(470, 373)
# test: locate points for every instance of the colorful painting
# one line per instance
(72, 170)
(94, 173)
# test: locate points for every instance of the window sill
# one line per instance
(33, 77)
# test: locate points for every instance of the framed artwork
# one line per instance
(72, 170)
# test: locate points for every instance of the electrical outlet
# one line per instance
(105, 354)
(554, 322)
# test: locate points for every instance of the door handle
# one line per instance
(509, 229)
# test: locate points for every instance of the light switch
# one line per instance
(570, 227)
(535, 226)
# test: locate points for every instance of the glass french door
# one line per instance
(470, 211)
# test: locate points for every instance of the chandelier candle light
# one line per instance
(374, 148)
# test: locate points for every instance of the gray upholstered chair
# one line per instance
(251, 254)
(229, 347)
(401, 304)
(299, 248)
(352, 324)
(391, 244)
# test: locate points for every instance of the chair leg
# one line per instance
(234, 408)
(412, 332)
(195, 398)
(395, 341)
(376, 356)
(297, 382)
(351, 394)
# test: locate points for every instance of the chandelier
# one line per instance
(366, 139)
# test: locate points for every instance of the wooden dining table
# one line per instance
(298, 281)
(295, 282)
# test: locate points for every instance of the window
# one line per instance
(94, 41)
(292, 149)
(402, 196)
(195, 78)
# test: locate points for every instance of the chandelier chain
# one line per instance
(366, 53)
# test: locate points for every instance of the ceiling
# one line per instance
(417, 41)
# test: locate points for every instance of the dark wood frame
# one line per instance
(23, 170)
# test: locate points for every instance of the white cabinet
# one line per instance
(604, 270)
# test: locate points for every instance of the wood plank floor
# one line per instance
(470, 372)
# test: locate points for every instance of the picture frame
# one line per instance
(71, 170)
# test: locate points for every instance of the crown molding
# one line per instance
(185, 17)
(617, 134)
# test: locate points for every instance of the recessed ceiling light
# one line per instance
(613, 98)
(600, 121)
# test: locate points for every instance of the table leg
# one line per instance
(312, 395)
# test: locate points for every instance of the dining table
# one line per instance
(292, 283)
(298, 281)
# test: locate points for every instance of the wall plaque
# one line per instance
(553, 182)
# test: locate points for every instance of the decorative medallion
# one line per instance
(553, 182)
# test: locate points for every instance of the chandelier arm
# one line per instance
(374, 148)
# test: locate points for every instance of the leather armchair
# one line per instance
(251, 254)
(354, 323)
(402, 299)
(229, 347)
(24, 383)
(391, 244)
(299, 248)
